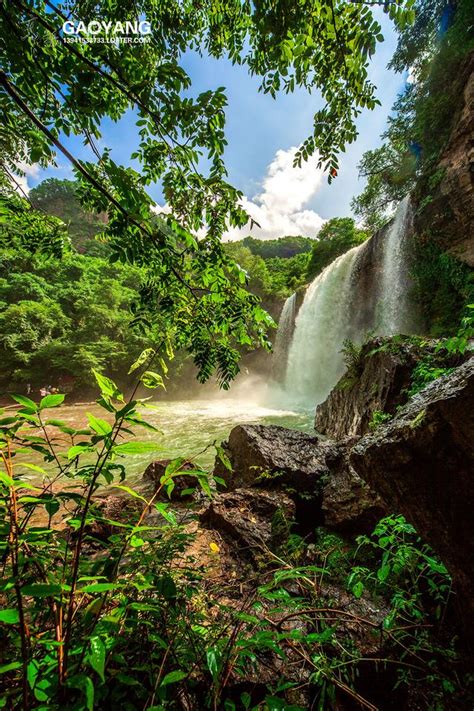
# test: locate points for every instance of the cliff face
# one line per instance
(422, 464)
(383, 375)
(447, 217)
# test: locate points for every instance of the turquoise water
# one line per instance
(188, 428)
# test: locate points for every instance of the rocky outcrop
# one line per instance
(422, 464)
(448, 216)
(315, 473)
(376, 382)
(348, 504)
(268, 454)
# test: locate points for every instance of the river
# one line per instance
(187, 427)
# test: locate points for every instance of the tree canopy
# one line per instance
(335, 237)
(51, 88)
(433, 50)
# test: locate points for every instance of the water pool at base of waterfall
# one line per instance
(188, 428)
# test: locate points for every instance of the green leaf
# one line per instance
(97, 656)
(51, 401)
(102, 427)
(173, 677)
(9, 617)
(136, 448)
(144, 356)
(6, 479)
(130, 491)
(41, 590)
(10, 667)
(383, 573)
(25, 401)
(152, 380)
(100, 587)
(77, 450)
(107, 386)
(223, 458)
(33, 467)
(213, 656)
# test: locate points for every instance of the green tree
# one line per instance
(51, 88)
(60, 198)
(434, 50)
(284, 247)
(335, 237)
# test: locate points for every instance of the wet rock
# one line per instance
(422, 464)
(316, 474)
(112, 508)
(272, 456)
(253, 519)
(348, 504)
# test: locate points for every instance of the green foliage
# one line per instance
(337, 236)
(378, 418)
(269, 276)
(442, 287)
(459, 343)
(283, 247)
(60, 198)
(125, 616)
(352, 356)
(429, 368)
(65, 318)
(433, 49)
(23, 228)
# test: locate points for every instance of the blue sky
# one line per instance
(262, 134)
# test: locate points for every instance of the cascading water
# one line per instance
(314, 361)
(286, 325)
(362, 291)
(393, 289)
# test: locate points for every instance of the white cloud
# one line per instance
(278, 207)
(20, 182)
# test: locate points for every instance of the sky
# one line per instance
(263, 135)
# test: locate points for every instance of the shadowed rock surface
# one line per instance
(422, 464)
(316, 473)
(253, 519)
(381, 376)
(448, 217)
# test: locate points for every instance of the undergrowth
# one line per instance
(102, 612)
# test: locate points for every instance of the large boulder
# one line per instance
(315, 473)
(348, 504)
(270, 455)
(422, 464)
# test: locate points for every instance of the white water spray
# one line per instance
(283, 338)
(314, 361)
(362, 291)
(392, 296)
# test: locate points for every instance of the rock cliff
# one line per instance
(447, 217)
(422, 463)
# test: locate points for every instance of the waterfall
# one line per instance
(394, 315)
(363, 291)
(315, 362)
(283, 338)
